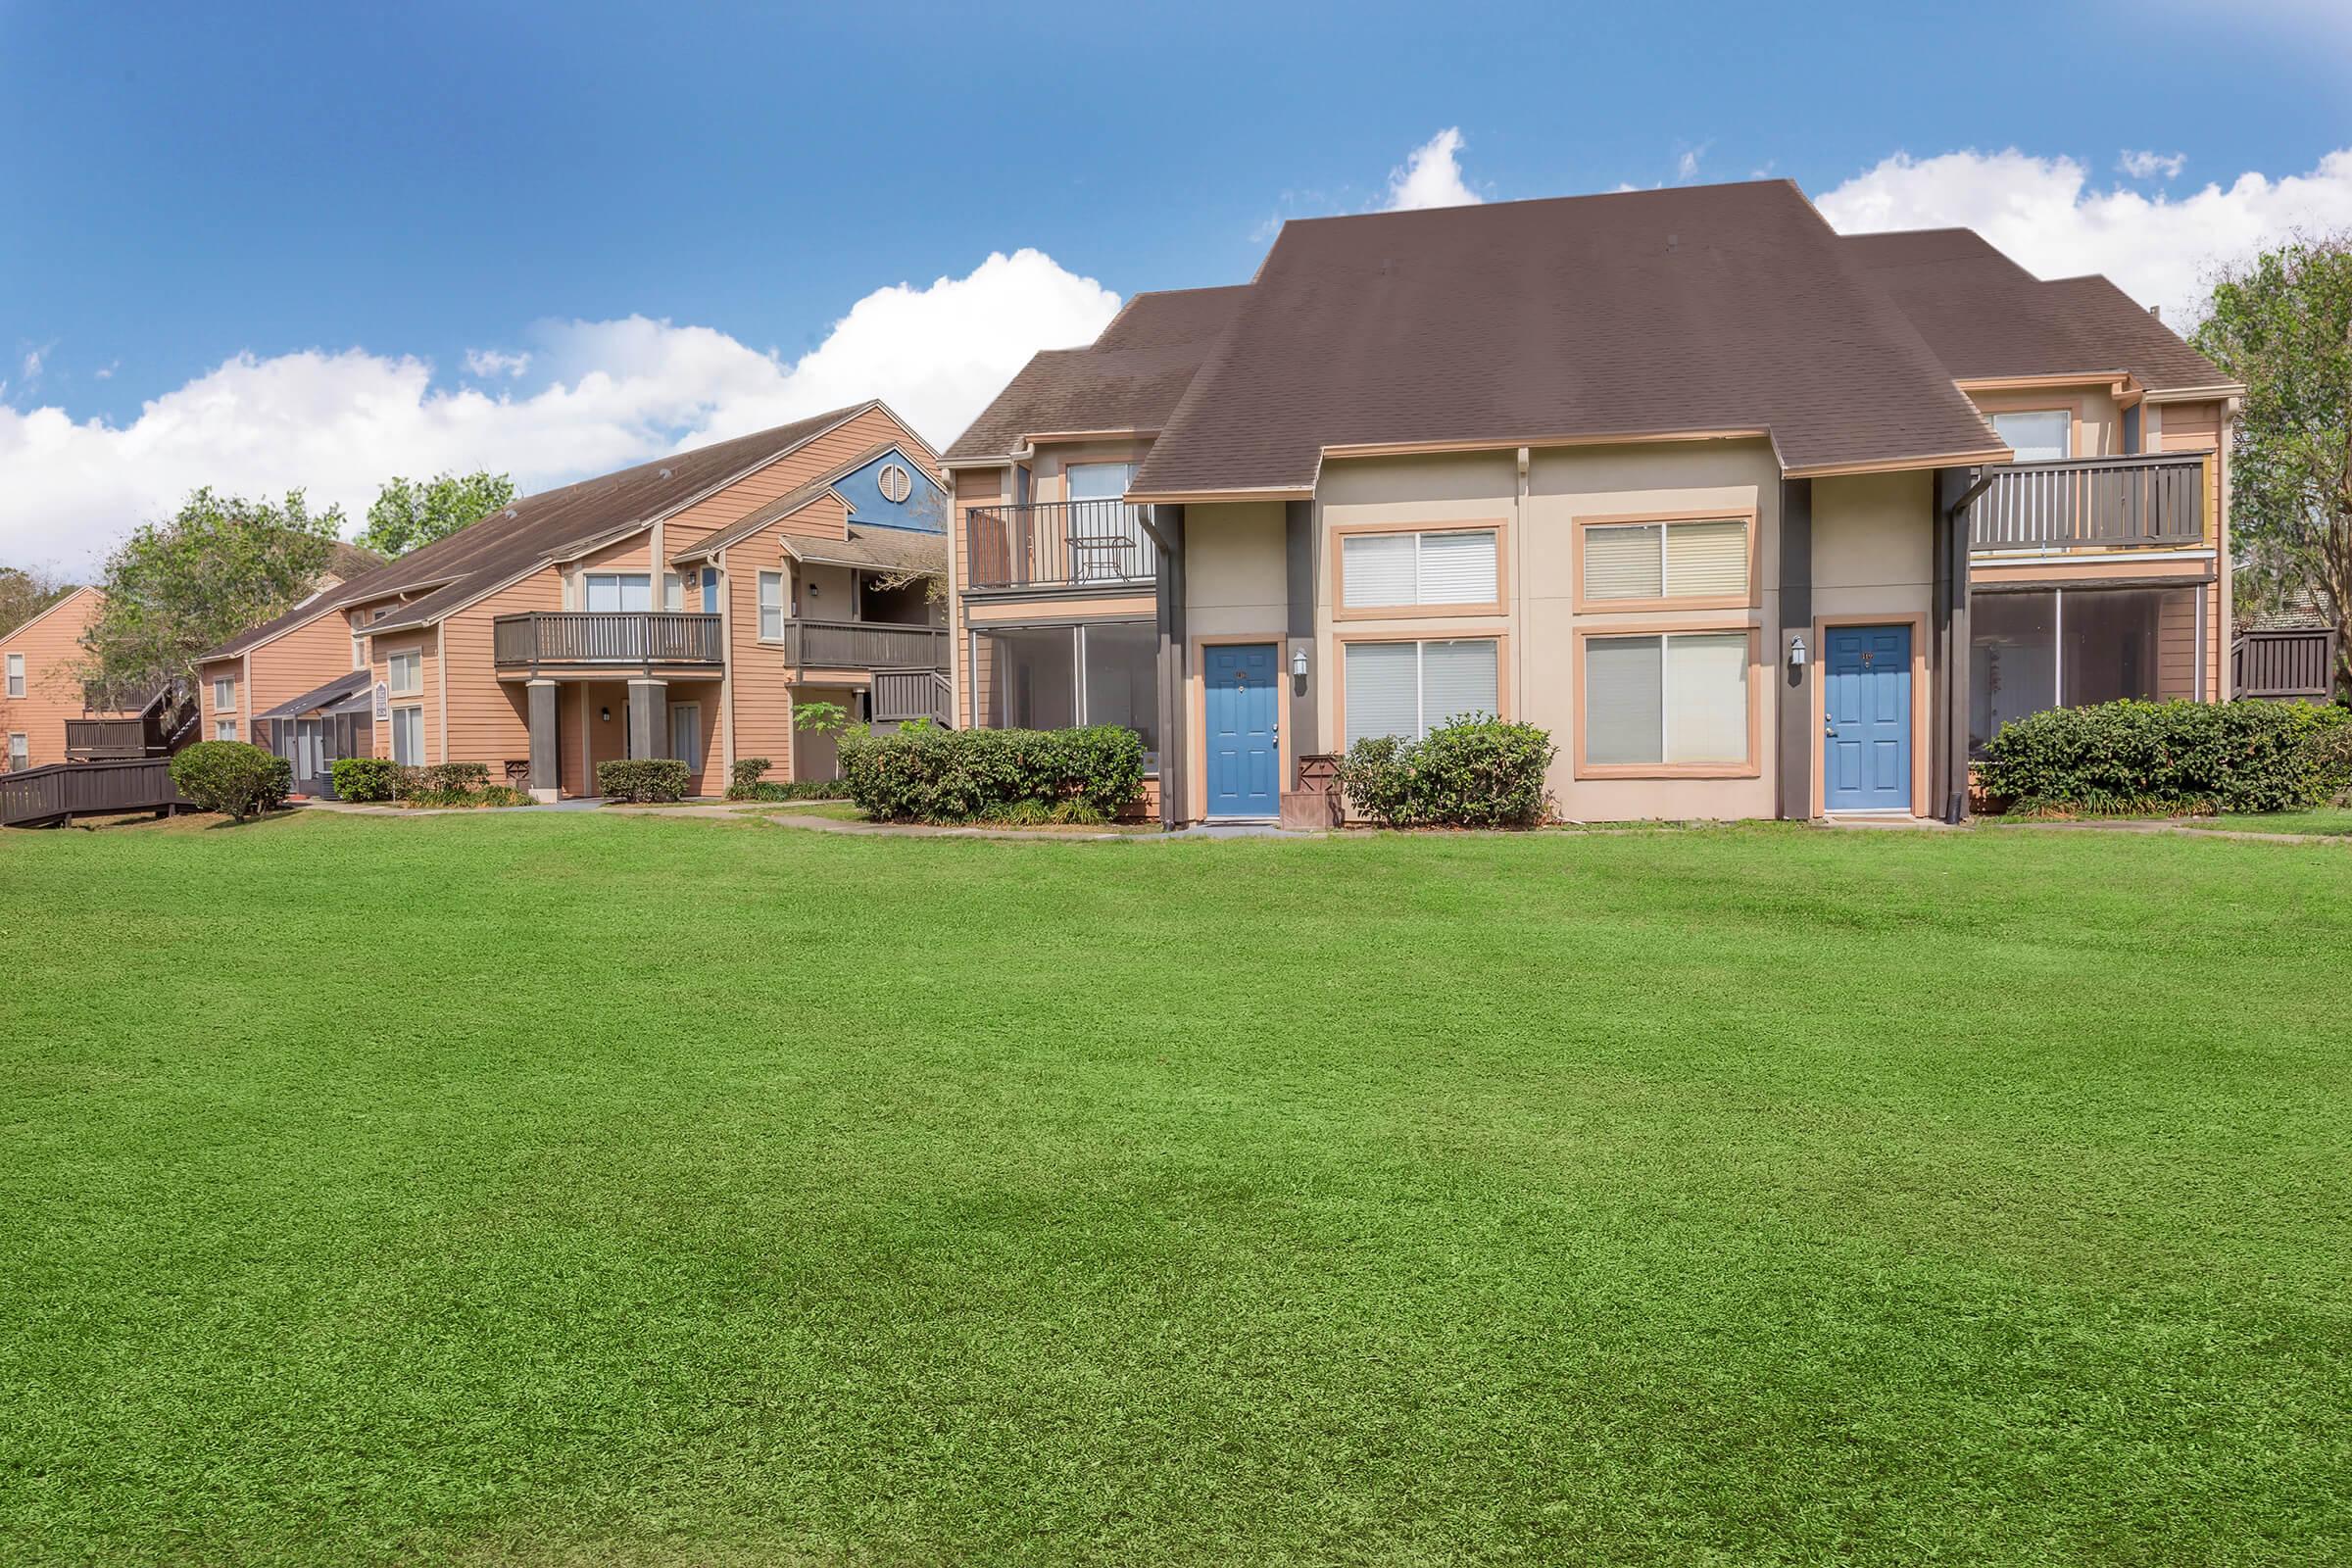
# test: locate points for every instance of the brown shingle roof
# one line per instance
(451, 572)
(1131, 378)
(1986, 317)
(1706, 309)
(896, 550)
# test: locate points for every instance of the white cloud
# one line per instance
(602, 395)
(1686, 167)
(32, 365)
(2159, 249)
(106, 372)
(490, 363)
(1432, 176)
(2143, 165)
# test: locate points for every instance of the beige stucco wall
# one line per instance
(1873, 545)
(1234, 580)
(2098, 422)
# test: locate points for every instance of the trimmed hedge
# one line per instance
(366, 778)
(1475, 771)
(2245, 755)
(443, 784)
(634, 780)
(231, 776)
(747, 780)
(968, 775)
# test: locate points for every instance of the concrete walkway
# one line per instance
(2181, 826)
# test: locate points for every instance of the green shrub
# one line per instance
(1475, 771)
(2328, 751)
(745, 779)
(231, 776)
(366, 778)
(502, 795)
(964, 775)
(2245, 755)
(639, 779)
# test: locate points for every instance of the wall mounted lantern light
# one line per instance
(1797, 652)
(1299, 662)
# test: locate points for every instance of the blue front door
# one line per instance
(1243, 753)
(1866, 713)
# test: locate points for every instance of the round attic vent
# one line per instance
(895, 482)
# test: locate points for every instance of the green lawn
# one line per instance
(585, 1188)
(2333, 821)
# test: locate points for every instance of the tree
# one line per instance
(175, 589)
(26, 594)
(2283, 325)
(407, 514)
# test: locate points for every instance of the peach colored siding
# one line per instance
(783, 477)
(759, 688)
(51, 646)
(974, 487)
(219, 669)
(300, 660)
(2197, 427)
(427, 695)
(489, 718)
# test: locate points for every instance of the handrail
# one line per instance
(2091, 502)
(619, 637)
(1058, 543)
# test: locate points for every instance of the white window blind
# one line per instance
(1706, 697)
(1376, 569)
(1706, 559)
(1458, 680)
(1623, 707)
(224, 729)
(404, 672)
(1380, 570)
(673, 591)
(224, 693)
(1408, 689)
(1457, 568)
(620, 590)
(1677, 698)
(19, 751)
(2045, 435)
(771, 606)
(408, 736)
(1699, 559)
(15, 675)
(1384, 690)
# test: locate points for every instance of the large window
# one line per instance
(2071, 648)
(619, 590)
(1385, 571)
(19, 751)
(1055, 677)
(224, 694)
(15, 675)
(408, 736)
(1670, 699)
(407, 671)
(771, 606)
(2038, 435)
(1406, 689)
(1703, 558)
(224, 729)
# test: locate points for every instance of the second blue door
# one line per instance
(1866, 708)
(1244, 753)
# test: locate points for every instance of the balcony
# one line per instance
(1059, 544)
(864, 644)
(2091, 503)
(623, 639)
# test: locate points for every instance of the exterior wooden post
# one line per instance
(546, 777)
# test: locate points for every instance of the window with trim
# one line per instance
(359, 652)
(2038, 435)
(1400, 569)
(224, 693)
(1638, 563)
(224, 729)
(617, 590)
(771, 606)
(15, 675)
(405, 671)
(673, 591)
(1406, 689)
(895, 483)
(1667, 699)
(19, 752)
(408, 736)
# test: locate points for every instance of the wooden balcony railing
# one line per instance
(864, 644)
(2294, 662)
(903, 694)
(1058, 544)
(619, 638)
(2091, 503)
(109, 740)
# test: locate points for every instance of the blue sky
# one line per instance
(185, 185)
